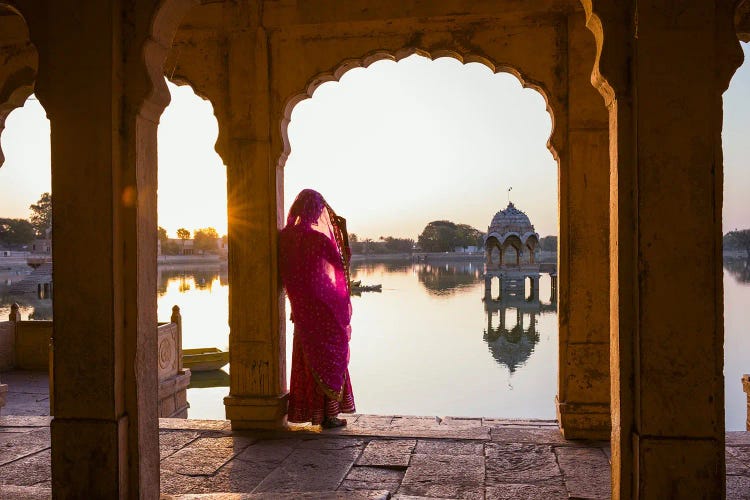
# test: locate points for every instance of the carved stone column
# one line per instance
(662, 69)
(583, 391)
(99, 80)
(257, 397)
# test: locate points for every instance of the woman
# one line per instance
(314, 261)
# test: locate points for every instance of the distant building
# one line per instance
(469, 249)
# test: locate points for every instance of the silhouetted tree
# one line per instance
(738, 240)
(548, 243)
(16, 232)
(183, 234)
(445, 236)
(205, 239)
(41, 214)
(162, 235)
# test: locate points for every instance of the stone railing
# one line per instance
(27, 345)
(746, 388)
(173, 378)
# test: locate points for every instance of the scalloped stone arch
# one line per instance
(363, 62)
(18, 84)
(512, 239)
(164, 25)
(742, 20)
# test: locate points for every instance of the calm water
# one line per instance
(423, 347)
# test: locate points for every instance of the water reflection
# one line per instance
(202, 278)
(447, 278)
(739, 268)
(511, 332)
(416, 347)
(32, 305)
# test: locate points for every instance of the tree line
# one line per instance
(17, 234)
(204, 240)
(437, 236)
(738, 240)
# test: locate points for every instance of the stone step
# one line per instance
(307, 495)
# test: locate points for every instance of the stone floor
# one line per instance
(375, 456)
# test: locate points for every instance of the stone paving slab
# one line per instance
(310, 470)
(444, 476)
(30, 470)
(24, 444)
(12, 492)
(526, 492)
(9, 421)
(172, 441)
(329, 495)
(738, 460)
(388, 453)
(204, 456)
(586, 472)
(513, 463)
(365, 478)
(28, 393)
(738, 438)
(204, 459)
(449, 447)
(738, 487)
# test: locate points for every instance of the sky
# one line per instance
(391, 147)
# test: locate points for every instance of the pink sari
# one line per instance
(314, 272)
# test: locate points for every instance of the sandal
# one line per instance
(333, 422)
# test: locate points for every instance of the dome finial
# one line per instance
(510, 203)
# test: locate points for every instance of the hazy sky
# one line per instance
(391, 147)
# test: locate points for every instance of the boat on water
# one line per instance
(204, 359)
(366, 288)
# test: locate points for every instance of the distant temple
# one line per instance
(510, 247)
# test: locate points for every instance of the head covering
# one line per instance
(311, 210)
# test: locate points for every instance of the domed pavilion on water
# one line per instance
(511, 247)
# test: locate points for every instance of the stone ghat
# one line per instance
(375, 456)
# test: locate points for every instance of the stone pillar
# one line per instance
(553, 288)
(746, 389)
(662, 71)
(103, 109)
(257, 395)
(535, 288)
(3, 392)
(14, 316)
(583, 260)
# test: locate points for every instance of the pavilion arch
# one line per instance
(18, 71)
(578, 143)
(492, 250)
(277, 61)
(511, 250)
(379, 55)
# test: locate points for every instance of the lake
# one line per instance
(427, 344)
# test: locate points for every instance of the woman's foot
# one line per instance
(333, 422)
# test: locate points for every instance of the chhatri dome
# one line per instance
(510, 220)
(511, 240)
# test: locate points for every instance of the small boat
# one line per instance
(367, 288)
(204, 359)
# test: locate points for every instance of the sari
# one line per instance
(314, 264)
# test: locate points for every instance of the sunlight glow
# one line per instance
(192, 176)
(399, 144)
